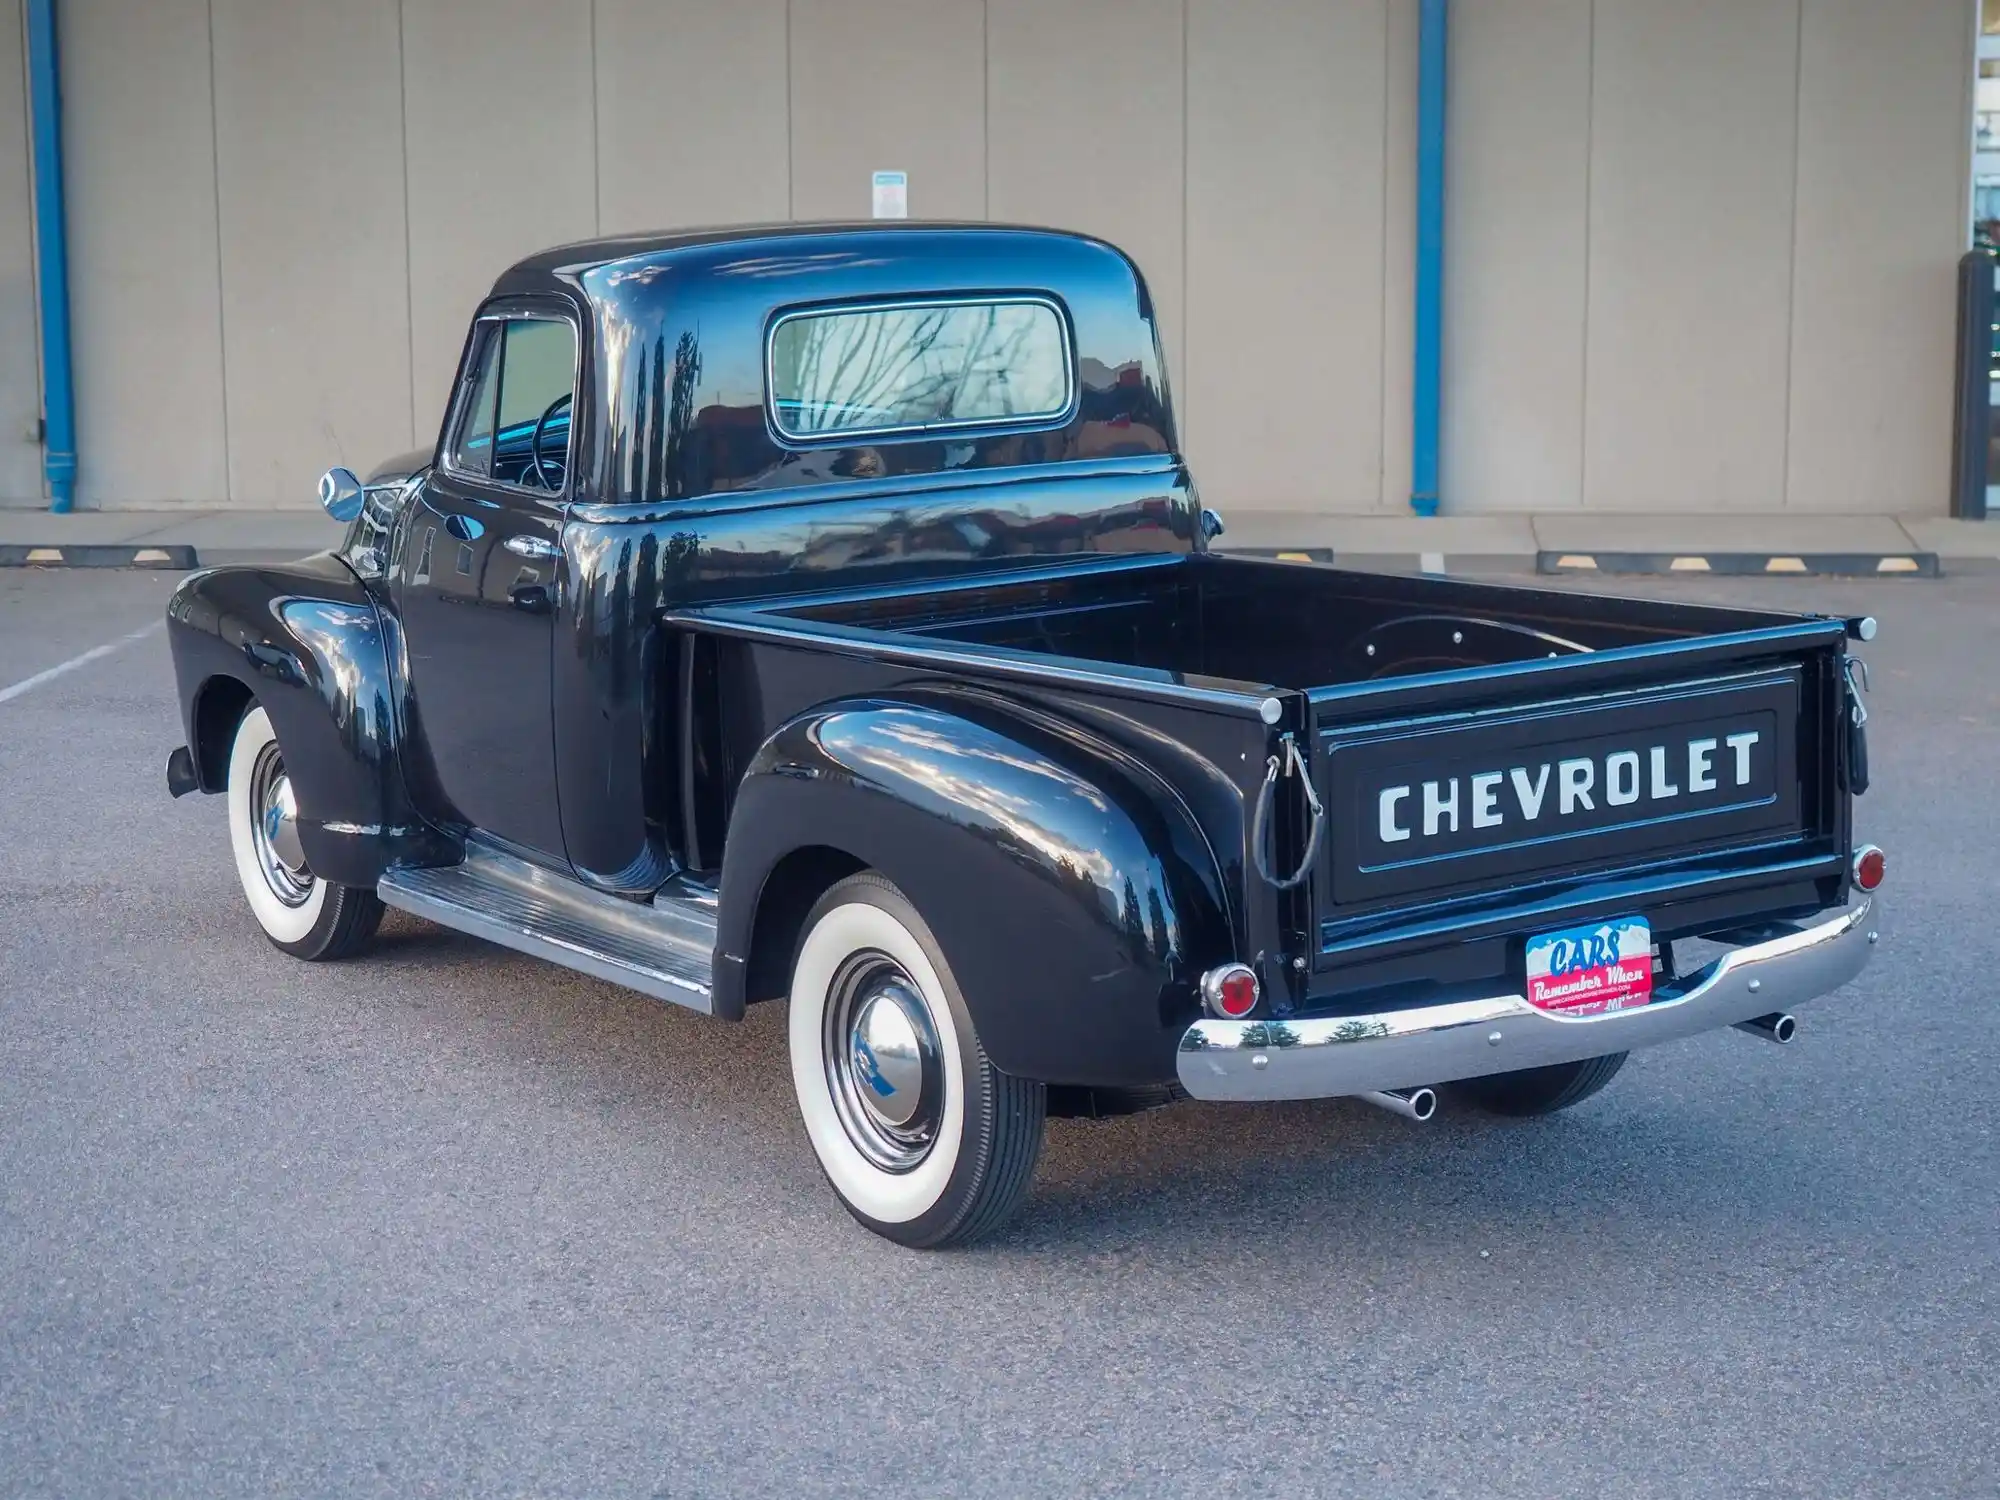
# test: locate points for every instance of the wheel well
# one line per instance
(794, 884)
(219, 706)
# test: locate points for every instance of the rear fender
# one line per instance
(307, 643)
(1071, 890)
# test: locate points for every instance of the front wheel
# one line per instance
(925, 1141)
(1543, 1091)
(308, 917)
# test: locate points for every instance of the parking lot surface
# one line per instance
(444, 1220)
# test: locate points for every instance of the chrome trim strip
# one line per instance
(1330, 1057)
(665, 949)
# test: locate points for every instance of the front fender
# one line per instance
(307, 643)
(1070, 889)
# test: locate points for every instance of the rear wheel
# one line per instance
(1543, 1091)
(925, 1141)
(308, 917)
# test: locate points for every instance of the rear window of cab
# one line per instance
(919, 367)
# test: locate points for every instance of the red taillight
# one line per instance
(1230, 991)
(1870, 865)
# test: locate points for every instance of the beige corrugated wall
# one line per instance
(1701, 252)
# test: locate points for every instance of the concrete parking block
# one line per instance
(212, 536)
(1743, 564)
(1786, 535)
(99, 555)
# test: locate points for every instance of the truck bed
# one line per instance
(1268, 625)
(1411, 700)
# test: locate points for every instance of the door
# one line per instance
(478, 581)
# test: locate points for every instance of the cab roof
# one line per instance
(568, 263)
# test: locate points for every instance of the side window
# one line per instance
(472, 447)
(917, 367)
(537, 385)
(515, 426)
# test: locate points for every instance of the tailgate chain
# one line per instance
(1260, 827)
(1855, 671)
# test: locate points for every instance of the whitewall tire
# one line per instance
(308, 917)
(924, 1140)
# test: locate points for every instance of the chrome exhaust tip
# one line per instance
(1776, 1027)
(1411, 1104)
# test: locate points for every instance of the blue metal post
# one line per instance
(1433, 22)
(52, 260)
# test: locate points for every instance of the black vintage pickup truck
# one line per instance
(825, 613)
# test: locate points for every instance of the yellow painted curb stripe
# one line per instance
(44, 554)
(1785, 565)
(1294, 557)
(1896, 565)
(1576, 560)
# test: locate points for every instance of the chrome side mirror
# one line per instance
(1211, 524)
(341, 494)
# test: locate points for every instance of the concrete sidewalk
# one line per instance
(1514, 543)
(1449, 544)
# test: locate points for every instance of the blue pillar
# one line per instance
(52, 257)
(1427, 396)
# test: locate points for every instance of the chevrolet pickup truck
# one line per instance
(824, 613)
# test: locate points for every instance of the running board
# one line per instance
(665, 948)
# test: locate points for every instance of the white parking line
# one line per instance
(28, 683)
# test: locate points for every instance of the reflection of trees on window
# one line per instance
(918, 367)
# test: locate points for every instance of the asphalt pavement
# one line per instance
(448, 1221)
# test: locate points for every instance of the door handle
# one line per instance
(522, 545)
(533, 598)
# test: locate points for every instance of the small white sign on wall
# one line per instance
(892, 195)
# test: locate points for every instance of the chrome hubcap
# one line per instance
(274, 830)
(883, 1063)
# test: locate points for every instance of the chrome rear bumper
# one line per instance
(1319, 1059)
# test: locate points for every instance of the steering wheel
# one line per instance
(542, 470)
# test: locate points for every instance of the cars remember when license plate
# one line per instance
(1587, 971)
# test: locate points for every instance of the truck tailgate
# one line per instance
(1464, 803)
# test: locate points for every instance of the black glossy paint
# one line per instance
(1074, 895)
(307, 643)
(997, 665)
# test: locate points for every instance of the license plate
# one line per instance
(1588, 971)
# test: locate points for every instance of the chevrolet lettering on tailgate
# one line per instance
(1620, 778)
(1491, 799)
